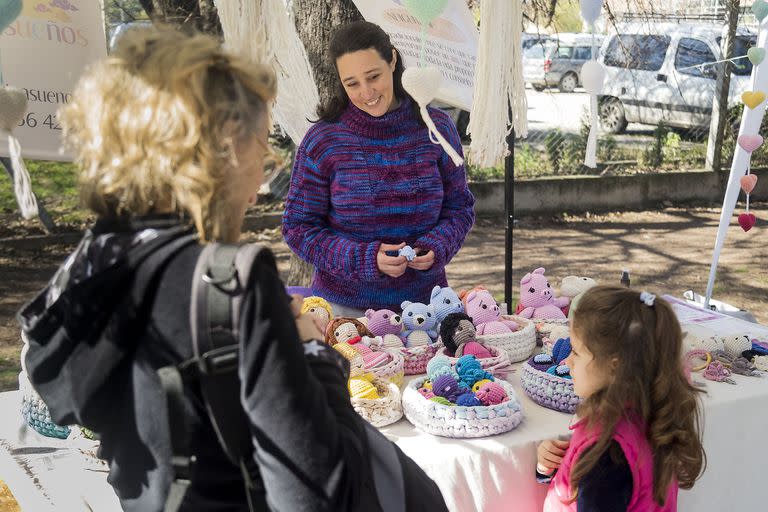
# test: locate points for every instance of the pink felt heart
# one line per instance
(747, 220)
(748, 183)
(749, 143)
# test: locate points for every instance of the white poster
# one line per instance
(44, 53)
(451, 43)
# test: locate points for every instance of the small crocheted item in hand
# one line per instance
(491, 393)
(407, 252)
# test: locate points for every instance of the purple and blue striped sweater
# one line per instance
(364, 180)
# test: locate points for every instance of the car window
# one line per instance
(564, 52)
(582, 53)
(534, 52)
(637, 51)
(741, 67)
(693, 52)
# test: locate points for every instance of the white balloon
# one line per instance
(422, 83)
(590, 10)
(593, 76)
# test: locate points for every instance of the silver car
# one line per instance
(557, 62)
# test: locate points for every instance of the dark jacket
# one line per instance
(106, 323)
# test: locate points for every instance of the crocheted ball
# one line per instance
(440, 365)
(447, 387)
(426, 393)
(441, 400)
(561, 350)
(468, 400)
(361, 388)
(491, 394)
(480, 384)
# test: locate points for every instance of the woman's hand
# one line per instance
(393, 266)
(550, 455)
(423, 262)
(309, 326)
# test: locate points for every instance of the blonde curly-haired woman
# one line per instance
(170, 134)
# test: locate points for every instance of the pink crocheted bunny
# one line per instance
(537, 297)
(484, 310)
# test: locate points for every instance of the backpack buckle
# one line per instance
(220, 360)
(182, 466)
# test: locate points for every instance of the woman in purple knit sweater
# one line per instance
(367, 181)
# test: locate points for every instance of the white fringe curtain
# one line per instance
(498, 83)
(263, 31)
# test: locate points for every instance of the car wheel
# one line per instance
(568, 83)
(612, 117)
(538, 88)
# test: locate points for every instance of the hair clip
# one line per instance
(647, 298)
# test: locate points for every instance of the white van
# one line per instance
(661, 72)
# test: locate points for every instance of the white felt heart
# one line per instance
(422, 83)
(13, 105)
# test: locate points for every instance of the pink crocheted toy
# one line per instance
(537, 297)
(484, 310)
(491, 393)
(388, 325)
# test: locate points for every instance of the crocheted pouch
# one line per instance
(458, 421)
(416, 358)
(35, 412)
(518, 345)
(547, 390)
(499, 365)
(393, 370)
(384, 410)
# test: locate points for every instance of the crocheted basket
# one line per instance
(458, 421)
(544, 328)
(518, 345)
(499, 365)
(416, 358)
(35, 412)
(547, 390)
(393, 370)
(386, 409)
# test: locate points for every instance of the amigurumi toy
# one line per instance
(445, 301)
(447, 387)
(485, 313)
(388, 325)
(480, 384)
(408, 252)
(561, 350)
(458, 334)
(440, 365)
(420, 324)
(470, 371)
(345, 329)
(426, 393)
(319, 308)
(361, 387)
(468, 400)
(574, 287)
(442, 401)
(538, 299)
(492, 394)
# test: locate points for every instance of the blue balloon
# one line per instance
(9, 11)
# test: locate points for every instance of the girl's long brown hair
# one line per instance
(649, 381)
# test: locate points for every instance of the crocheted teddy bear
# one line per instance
(458, 334)
(485, 313)
(538, 299)
(317, 307)
(388, 325)
(445, 301)
(574, 287)
(420, 324)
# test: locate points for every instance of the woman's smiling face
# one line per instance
(368, 81)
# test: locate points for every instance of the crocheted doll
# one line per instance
(447, 387)
(388, 325)
(445, 301)
(491, 394)
(485, 313)
(459, 336)
(318, 307)
(538, 298)
(573, 287)
(354, 333)
(420, 324)
(470, 371)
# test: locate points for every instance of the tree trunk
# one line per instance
(720, 103)
(198, 14)
(315, 22)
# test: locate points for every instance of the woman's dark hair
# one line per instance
(353, 37)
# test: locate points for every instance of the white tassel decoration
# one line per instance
(263, 31)
(592, 77)
(499, 83)
(13, 105)
(422, 84)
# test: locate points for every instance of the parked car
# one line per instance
(663, 72)
(557, 62)
(529, 39)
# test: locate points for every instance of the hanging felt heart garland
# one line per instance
(592, 77)
(749, 143)
(422, 82)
